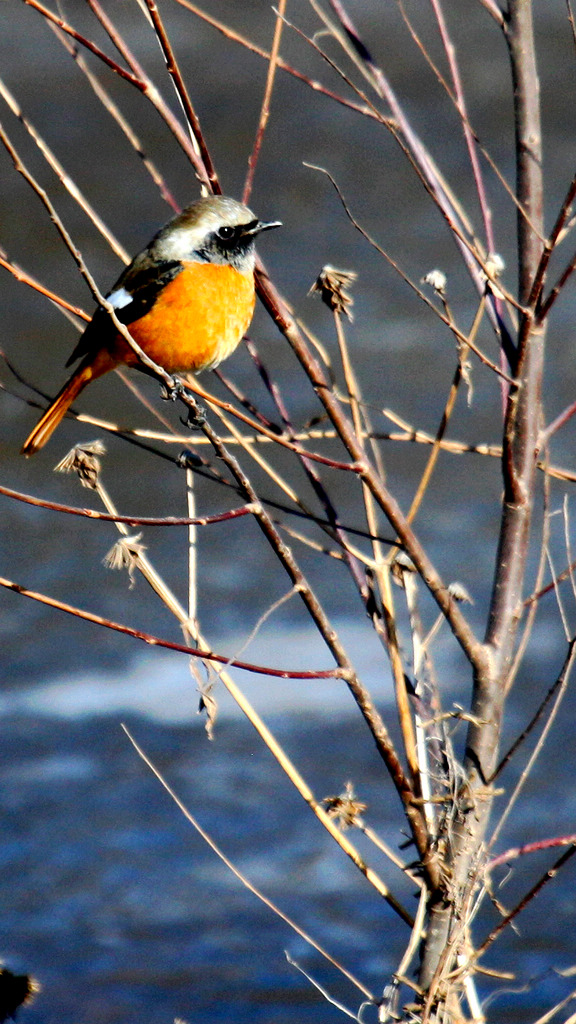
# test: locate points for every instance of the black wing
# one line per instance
(144, 286)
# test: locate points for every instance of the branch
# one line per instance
(239, 874)
(363, 699)
(546, 877)
(523, 417)
(156, 641)
(90, 513)
(368, 473)
(138, 79)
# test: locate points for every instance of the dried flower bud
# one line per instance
(346, 809)
(459, 593)
(123, 555)
(401, 564)
(83, 460)
(437, 280)
(208, 705)
(495, 264)
(405, 562)
(332, 284)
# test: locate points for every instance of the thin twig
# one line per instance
(108, 517)
(62, 175)
(266, 100)
(239, 874)
(113, 110)
(312, 83)
(523, 903)
(536, 847)
(418, 291)
(156, 641)
(558, 692)
(445, 419)
(183, 95)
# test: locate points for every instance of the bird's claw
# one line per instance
(173, 390)
(196, 418)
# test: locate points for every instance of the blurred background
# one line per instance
(107, 895)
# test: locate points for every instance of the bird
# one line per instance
(187, 300)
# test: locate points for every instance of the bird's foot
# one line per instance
(196, 418)
(172, 390)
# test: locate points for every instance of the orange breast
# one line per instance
(197, 320)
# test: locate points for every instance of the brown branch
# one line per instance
(286, 324)
(550, 587)
(361, 695)
(522, 425)
(90, 513)
(156, 641)
(236, 37)
(521, 851)
(85, 42)
(180, 86)
(521, 434)
(265, 111)
(114, 111)
(143, 83)
(534, 891)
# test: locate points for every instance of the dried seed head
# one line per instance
(402, 564)
(495, 264)
(346, 809)
(437, 280)
(123, 555)
(332, 285)
(83, 460)
(459, 593)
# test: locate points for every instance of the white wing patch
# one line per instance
(120, 298)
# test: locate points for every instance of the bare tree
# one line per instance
(446, 761)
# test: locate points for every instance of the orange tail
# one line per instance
(88, 370)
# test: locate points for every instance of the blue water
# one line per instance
(115, 904)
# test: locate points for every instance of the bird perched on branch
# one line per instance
(187, 300)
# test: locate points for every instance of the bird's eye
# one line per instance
(226, 232)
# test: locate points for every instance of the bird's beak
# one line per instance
(261, 226)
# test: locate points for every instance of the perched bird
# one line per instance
(187, 300)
